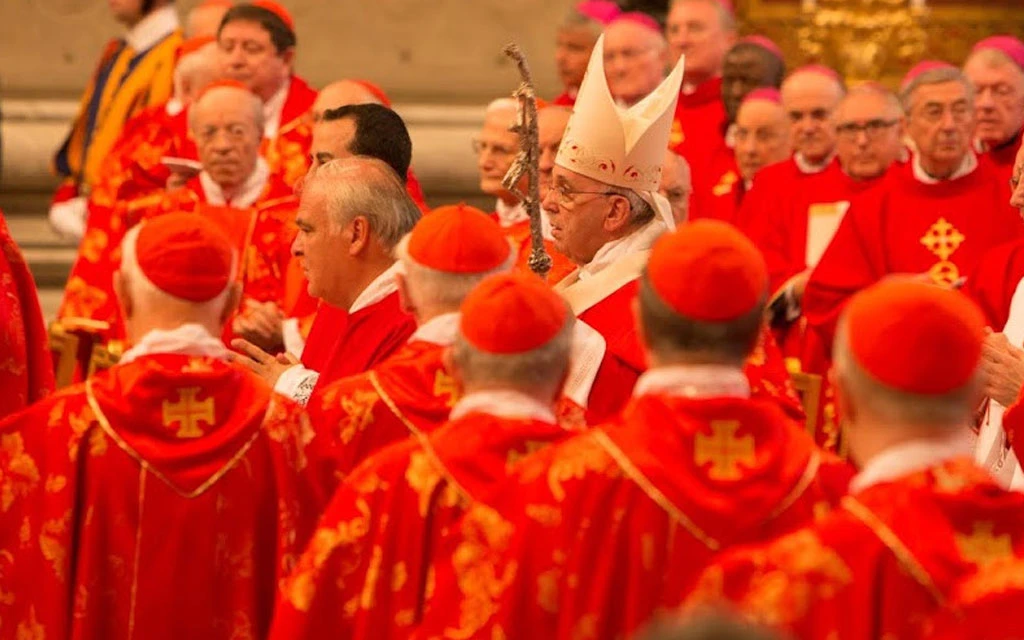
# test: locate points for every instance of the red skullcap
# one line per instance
(915, 337)
(1012, 47)
(708, 271)
(921, 68)
(765, 43)
(185, 255)
(512, 313)
(602, 11)
(278, 11)
(766, 94)
(192, 45)
(458, 239)
(640, 18)
(376, 91)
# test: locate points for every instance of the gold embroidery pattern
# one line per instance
(444, 385)
(724, 450)
(423, 478)
(725, 184)
(188, 413)
(358, 409)
(575, 460)
(19, 474)
(943, 239)
(982, 547)
(50, 543)
(31, 629)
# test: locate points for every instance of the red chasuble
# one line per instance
(356, 342)
(718, 188)
(26, 368)
(262, 235)
(984, 606)
(699, 123)
(408, 394)
(907, 226)
(365, 572)
(880, 565)
(994, 281)
(1001, 158)
(163, 499)
(594, 536)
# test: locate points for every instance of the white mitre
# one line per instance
(621, 146)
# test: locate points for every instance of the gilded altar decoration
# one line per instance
(724, 450)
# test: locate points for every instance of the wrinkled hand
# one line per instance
(1003, 367)
(261, 324)
(259, 361)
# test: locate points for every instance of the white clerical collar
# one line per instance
(381, 287)
(186, 340)
(694, 381)
(508, 404)
(807, 167)
(967, 167)
(640, 240)
(273, 109)
(174, 106)
(440, 330)
(152, 29)
(510, 214)
(247, 194)
(910, 457)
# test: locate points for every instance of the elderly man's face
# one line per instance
(551, 124)
(745, 69)
(496, 149)
(941, 124)
(228, 140)
(634, 61)
(577, 208)
(676, 185)
(810, 100)
(322, 249)
(762, 136)
(999, 99)
(249, 56)
(573, 47)
(694, 29)
(870, 135)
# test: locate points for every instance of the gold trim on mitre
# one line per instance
(621, 146)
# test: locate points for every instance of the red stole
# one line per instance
(26, 368)
(718, 187)
(166, 458)
(365, 574)
(879, 566)
(604, 530)
(699, 122)
(994, 281)
(906, 226)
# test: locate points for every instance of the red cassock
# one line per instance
(165, 498)
(718, 187)
(366, 572)
(592, 537)
(1001, 158)
(26, 369)
(564, 100)
(408, 394)
(698, 127)
(907, 226)
(994, 281)
(343, 344)
(262, 234)
(879, 566)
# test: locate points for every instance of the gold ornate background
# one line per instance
(879, 39)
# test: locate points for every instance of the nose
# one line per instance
(547, 160)
(984, 99)
(549, 201)
(298, 246)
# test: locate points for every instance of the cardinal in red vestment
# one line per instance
(236, 189)
(934, 217)
(575, 41)
(366, 572)
(996, 69)
(595, 535)
(26, 369)
(982, 606)
(908, 380)
(346, 241)
(167, 496)
(411, 392)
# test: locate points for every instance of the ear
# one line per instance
(124, 298)
(359, 229)
(404, 299)
(288, 57)
(618, 215)
(231, 304)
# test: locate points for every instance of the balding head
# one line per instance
(702, 30)
(999, 101)
(748, 66)
(204, 19)
(551, 123)
(869, 124)
(195, 71)
(341, 94)
(635, 58)
(810, 98)
(227, 124)
(676, 185)
(496, 148)
(762, 136)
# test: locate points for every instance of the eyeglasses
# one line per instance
(872, 128)
(481, 147)
(565, 195)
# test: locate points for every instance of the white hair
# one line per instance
(148, 296)
(254, 103)
(502, 104)
(935, 76)
(196, 70)
(364, 186)
(428, 286)
(725, 16)
(542, 368)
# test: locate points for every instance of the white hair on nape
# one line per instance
(429, 286)
(147, 295)
(197, 69)
(361, 185)
(254, 103)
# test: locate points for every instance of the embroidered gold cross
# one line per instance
(724, 450)
(725, 184)
(982, 547)
(188, 413)
(444, 385)
(942, 239)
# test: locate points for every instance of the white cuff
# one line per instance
(297, 383)
(68, 218)
(294, 343)
(586, 355)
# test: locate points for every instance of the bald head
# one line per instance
(747, 67)
(205, 19)
(341, 94)
(195, 71)
(869, 126)
(762, 136)
(810, 99)
(676, 185)
(635, 58)
(551, 123)
(227, 124)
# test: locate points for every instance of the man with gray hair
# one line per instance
(996, 68)
(934, 217)
(575, 41)
(352, 215)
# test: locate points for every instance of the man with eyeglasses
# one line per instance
(996, 68)
(933, 218)
(635, 57)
